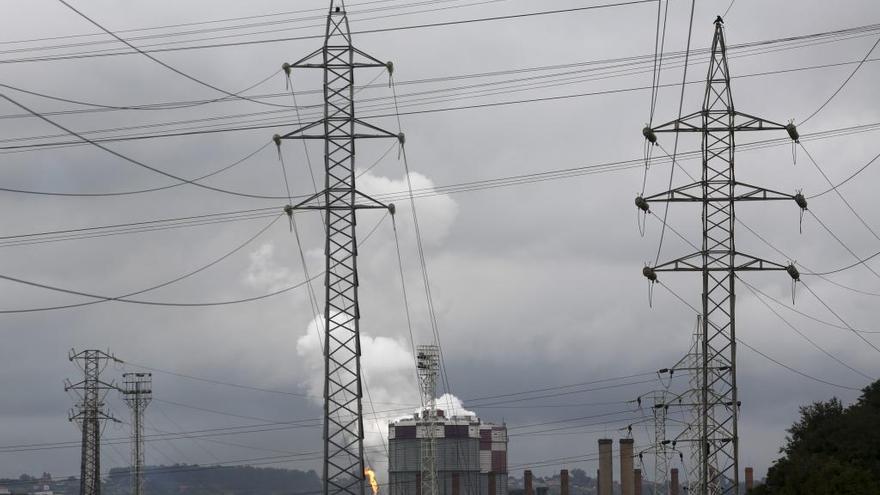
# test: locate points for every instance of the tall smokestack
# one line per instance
(606, 468)
(527, 482)
(750, 478)
(563, 482)
(638, 481)
(673, 482)
(627, 476)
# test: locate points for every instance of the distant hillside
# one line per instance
(213, 480)
(185, 479)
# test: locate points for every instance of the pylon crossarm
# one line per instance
(752, 123)
(718, 122)
(688, 123)
(370, 61)
(694, 263)
(377, 133)
(742, 192)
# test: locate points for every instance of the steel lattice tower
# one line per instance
(718, 261)
(340, 199)
(89, 413)
(428, 364)
(138, 393)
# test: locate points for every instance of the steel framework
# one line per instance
(89, 413)
(718, 261)
(138, 393)
(428, 364)
(339, 129)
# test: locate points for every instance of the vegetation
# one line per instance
(830, 450)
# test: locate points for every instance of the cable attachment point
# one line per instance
(651, 275)
(289, 211)
(401, 139)
(392, 209)
(642, 213)
(649, 134)
(390, 67)
(277, 139)
(286, 68)
(795, 139)
(795, 278)
(802, 203)
(793, 132)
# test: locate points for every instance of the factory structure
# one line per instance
(471, 455)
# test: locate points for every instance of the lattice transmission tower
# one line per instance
(89, 414)
(718, 261)
(137, 392)
(428, 363)
(339, 129)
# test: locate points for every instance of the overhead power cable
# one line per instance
(102, 53)
(756, 351)
(843, 85)
(804, 336)
(278, 122)
(127, 299)
(163, 64)
(453, 188)
(747, 49)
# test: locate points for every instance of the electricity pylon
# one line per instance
(340, 199)
(428, 364)
(718, 261)
(89, 413)
(138, 393)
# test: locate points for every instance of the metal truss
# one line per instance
(89, 413)
(718, 261)
(137, 392)
(428, 364)
(340, 199)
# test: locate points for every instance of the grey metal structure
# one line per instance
(719, 262)
(428, 364)
(339, 130)
(89, 413)
(137, 392)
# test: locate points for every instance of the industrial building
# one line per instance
(471, 455)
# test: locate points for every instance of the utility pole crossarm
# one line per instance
(719, 122)
(718, 261)
(370, 132)
(742, 192)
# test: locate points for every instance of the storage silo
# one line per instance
(466, 460)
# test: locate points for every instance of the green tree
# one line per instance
(830, 450)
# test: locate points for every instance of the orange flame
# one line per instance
(372, 476)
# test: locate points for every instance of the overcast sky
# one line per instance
(535, 285)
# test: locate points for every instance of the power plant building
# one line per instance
(471, 456)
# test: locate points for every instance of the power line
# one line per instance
(163, 64)
(361, 32)
(765, 356)
(843, 85)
